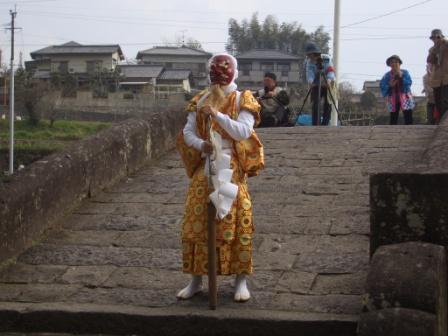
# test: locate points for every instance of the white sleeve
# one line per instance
(190, 136)
(239, 129)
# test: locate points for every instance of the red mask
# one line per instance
(221, 70)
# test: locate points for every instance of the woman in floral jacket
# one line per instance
(396, 88)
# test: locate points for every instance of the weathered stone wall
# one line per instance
(411, 204)
(47, 189)
(408, 207)
(407, 282)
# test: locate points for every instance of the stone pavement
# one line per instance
(114, 263)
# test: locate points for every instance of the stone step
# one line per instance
(63, 319)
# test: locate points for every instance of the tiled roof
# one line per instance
(141, 71)
(76, 48)
(375, 83)
(175, 74)
(176, 51)
(266, 54)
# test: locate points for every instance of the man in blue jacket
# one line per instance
(315, 63)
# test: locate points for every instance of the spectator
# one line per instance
(438, 58)
(432, 114)
(274, 102)
(396, 88)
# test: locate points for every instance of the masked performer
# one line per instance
(219, 140)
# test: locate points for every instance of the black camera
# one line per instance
(319, 62)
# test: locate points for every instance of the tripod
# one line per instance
(317, 114)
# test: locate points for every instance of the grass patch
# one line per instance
(33, 142)
(62, 130)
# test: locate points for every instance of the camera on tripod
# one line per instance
(319, 63)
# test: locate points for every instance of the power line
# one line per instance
(127, 22)
(117, 19)
(8, 3)
(386, 14)
(127, 18)
(385, 38)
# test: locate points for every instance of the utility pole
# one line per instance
(11, 96)
(20, 60)
(337, 12)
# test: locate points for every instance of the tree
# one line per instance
(368, 100)
(29, 93)
(41, 98)
(346, 93)
(287, 37)
(194, 44)
(179, 42)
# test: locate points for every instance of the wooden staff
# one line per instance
(211, 212)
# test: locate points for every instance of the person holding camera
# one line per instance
(396, 88)
(274, 102)
(319, 66)
(438, 58)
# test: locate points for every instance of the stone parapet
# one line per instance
(410, 203)
(48, 189)
(409, 207)
(411, 277)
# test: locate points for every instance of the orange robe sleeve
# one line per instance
(190, 156)
(250, 151)
(250, 104)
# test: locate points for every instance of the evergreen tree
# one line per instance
(287, 37)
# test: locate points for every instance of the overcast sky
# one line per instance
(395, 27)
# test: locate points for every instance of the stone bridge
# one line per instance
(112, 265)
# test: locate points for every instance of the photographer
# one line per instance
(396, 88)
(316, 64)
(273, 101)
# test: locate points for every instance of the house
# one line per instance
(179, 58)
(171, 81)
(253, 64)
(374, 87)
(74, 58)
(137, 78)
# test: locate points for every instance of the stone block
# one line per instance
(409, 275)
(397, 322)
(408, 207)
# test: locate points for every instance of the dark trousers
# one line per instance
(441, 99)
(326, 111)
(430, 113)
(407, 116)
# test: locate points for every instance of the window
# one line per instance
(284, 68)
(93, 66)
(245, 68)
(63, 67)
(267, 66)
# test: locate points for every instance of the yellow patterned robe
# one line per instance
(234, 232)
